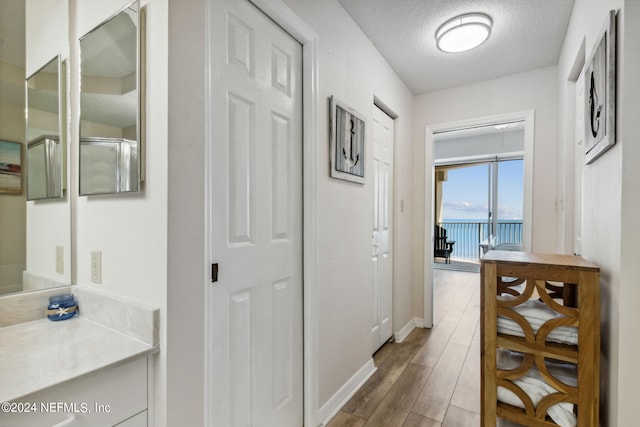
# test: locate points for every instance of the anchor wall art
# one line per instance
(347, 143)
(600, 93)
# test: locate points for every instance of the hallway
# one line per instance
(432, 378)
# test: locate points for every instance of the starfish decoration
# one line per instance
(62, 311)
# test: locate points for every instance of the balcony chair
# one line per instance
(442, 247)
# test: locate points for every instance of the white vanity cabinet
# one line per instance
(91, 370)
(115, 395)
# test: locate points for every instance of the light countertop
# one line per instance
(42, 353)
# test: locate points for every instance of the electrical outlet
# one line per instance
(60, 259)
(96, 266)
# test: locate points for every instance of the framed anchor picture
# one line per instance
(600, 93)
(347, 143)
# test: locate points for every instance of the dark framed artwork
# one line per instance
(10, 167)
(347, 143)
(600, 93)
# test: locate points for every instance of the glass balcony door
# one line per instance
(462, 211)
(479, 205)
(507, 203)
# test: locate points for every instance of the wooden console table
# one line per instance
(568, 285)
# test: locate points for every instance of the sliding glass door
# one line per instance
(462, 212)
(478, 206)
(507, 204)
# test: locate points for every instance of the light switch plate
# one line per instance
(96, 266)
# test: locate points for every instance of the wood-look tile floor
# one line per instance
(432, 378)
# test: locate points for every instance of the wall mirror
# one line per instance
(35, 236)
(45, 119)
(110, 143)
(13, 207)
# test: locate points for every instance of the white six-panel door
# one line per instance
(382, 261)
(255, 309)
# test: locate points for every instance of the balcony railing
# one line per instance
(469, 234)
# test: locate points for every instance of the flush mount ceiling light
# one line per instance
(463, 32)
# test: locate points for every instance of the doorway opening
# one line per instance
(442, 149)
(478, 193)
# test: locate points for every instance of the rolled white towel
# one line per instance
(537, 314)
(562, 335)
(561, 413)
(536, 388)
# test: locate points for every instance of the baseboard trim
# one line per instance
(402, 334)
(342, 396)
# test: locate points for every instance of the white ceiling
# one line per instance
(526, 35)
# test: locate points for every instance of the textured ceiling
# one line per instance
(526, 34)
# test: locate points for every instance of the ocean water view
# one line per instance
(468, 195)
(468, 234)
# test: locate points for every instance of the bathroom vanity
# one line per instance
(88, 370)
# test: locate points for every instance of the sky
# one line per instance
(10, 152)
(465, 193)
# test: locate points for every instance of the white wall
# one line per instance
(610, 205)
(351, 69)
(129, 229)
(534, 90)
(47, 25)
(186, 264)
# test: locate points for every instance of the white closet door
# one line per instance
(382, 237)
(256, 195)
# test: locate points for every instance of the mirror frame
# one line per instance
(140, 107)
(55, 145)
